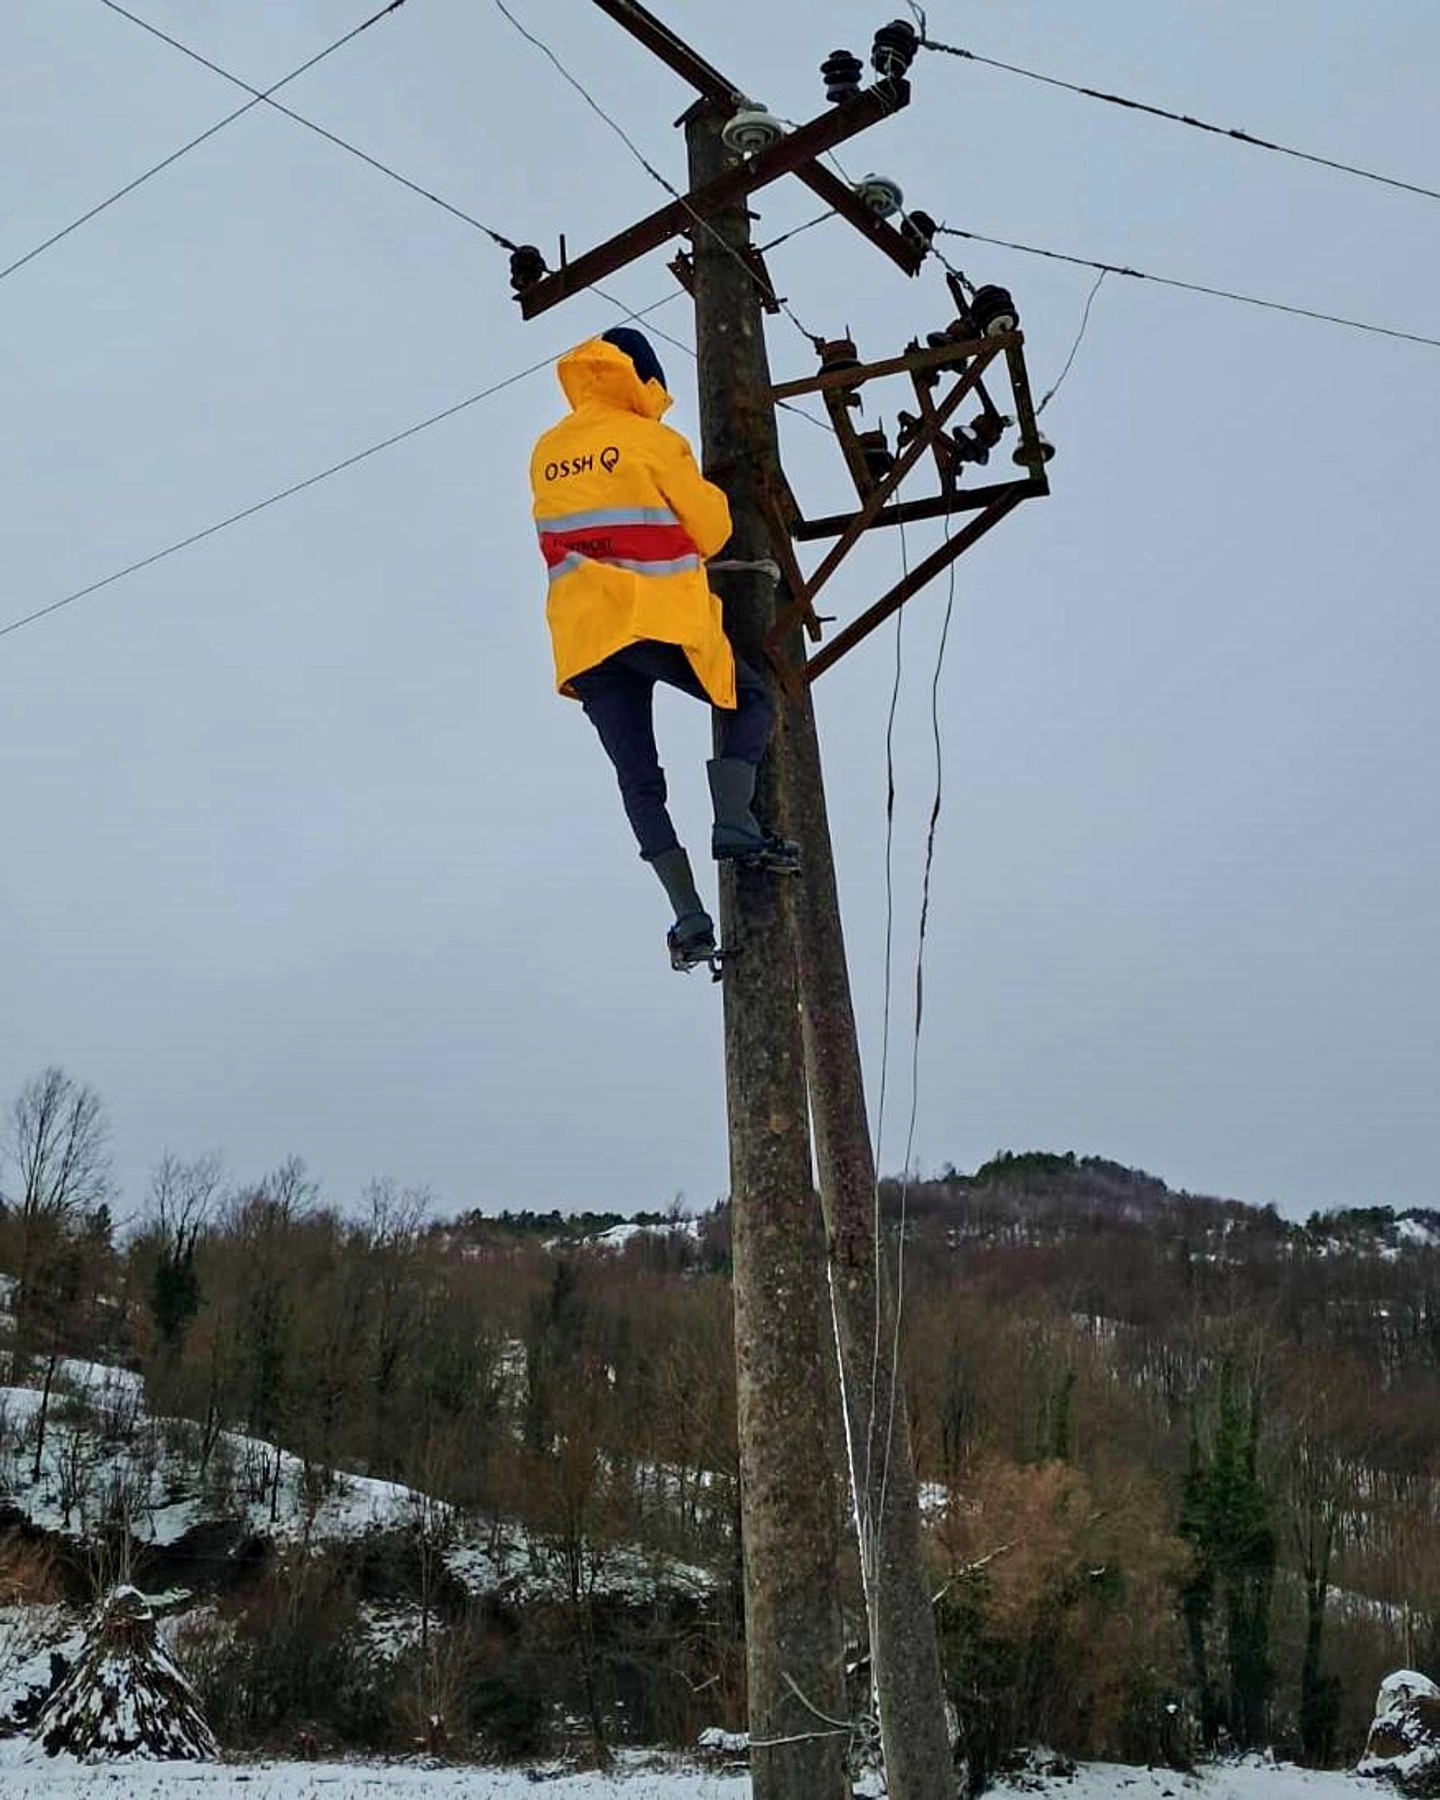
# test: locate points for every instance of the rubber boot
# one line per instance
(691, 939)
(738, 836)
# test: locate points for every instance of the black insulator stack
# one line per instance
(993, 310)
(987, 429)
(894, 49)
(843, 72)
(919, 226)
(527, 266)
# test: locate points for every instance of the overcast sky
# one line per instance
(301, 854)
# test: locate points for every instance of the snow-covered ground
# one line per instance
(635, 1778)
(638, 1778)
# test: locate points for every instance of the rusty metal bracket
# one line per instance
(707, 80)
(920, 576)
(929, 433)
(792, 155)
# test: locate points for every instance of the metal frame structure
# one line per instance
(967, 360)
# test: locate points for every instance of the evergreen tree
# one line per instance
(1225, 1516)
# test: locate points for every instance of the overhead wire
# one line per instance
(331, 137)
(258, 95)
(795, 231)
(298, 487)
(1178, 118)
(655, 174)
(386, 169)
(1196, 287)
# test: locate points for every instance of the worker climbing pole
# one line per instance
(626, 526)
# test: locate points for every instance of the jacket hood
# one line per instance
(596, 372)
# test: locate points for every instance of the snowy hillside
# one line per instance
(104, 1453)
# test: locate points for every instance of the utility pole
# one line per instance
(741, 444)
(792, 1056)
(789, 1503)
(904, 1654)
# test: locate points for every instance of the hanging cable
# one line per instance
(1177, 118)
(878, 1245)
(930, 838)
(1195, 287)
(330, 137)
(1059, 380)
(300, 487)
(184, 150)
(705, 224)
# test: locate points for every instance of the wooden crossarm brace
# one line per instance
(791, 154)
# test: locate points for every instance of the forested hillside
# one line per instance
(1180, 1454)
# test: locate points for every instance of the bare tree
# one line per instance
(182, 1196)
(57, 1143)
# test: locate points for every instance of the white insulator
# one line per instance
(752, 130)
(881, 195)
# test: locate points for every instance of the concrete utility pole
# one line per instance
(789, 1507)
(904, 1654)
(741, 443)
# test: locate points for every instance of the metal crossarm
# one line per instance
(789, 156)
(708, 81)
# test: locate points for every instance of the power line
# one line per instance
(764, 286)
(330, 137)
(297, 487)
(1177, 118)
(1196, 287)
(185, 149)
(415, 187)
(1059, 380)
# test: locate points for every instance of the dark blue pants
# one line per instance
(619, 700)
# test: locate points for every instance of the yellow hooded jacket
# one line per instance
(626, 521)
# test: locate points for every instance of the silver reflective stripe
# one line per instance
(610, 515)
(683, 565)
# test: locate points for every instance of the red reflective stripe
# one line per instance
(618, 543)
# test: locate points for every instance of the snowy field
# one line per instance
(635, 1779)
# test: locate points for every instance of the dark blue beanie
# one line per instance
(637, 347)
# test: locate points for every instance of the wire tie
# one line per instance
(733, 566)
